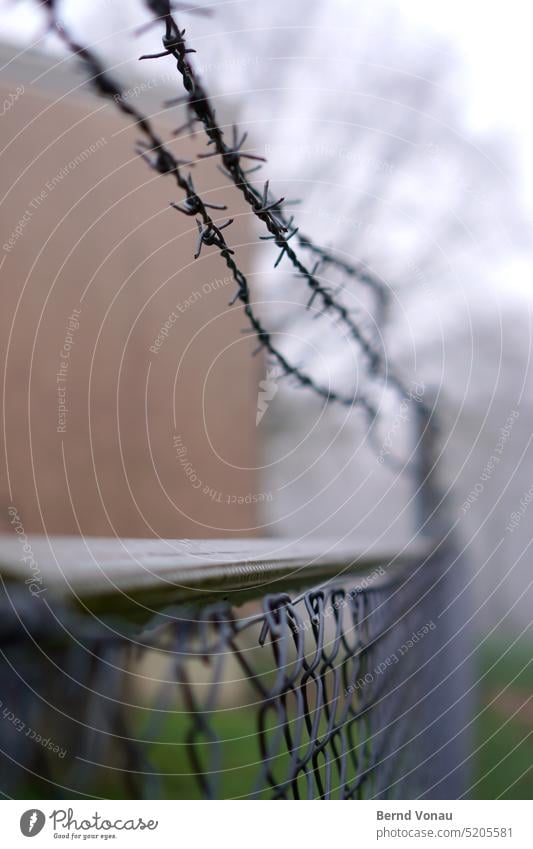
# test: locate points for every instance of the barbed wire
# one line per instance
(161, 159)
(281, 229)
(265, 207)
(360, 270)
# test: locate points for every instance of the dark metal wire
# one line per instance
(267, 209)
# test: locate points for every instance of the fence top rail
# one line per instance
(95, 571)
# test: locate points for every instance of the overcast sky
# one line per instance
(494, 41)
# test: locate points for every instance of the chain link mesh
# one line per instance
(351, 690)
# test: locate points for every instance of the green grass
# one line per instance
(234, 775)
(503, 764)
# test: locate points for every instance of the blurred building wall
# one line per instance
(129, 390)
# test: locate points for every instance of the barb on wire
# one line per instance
(211, 235)
(233, 154)
(267, 205)
(359, 272)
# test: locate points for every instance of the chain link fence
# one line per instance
(355, 688)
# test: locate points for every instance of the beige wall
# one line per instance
(102, 240)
